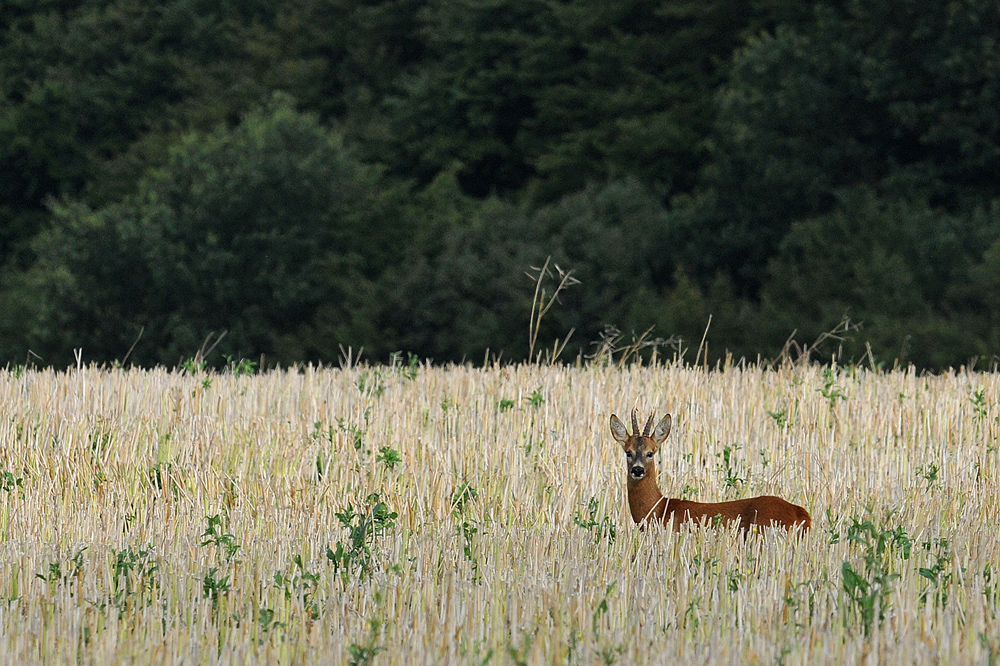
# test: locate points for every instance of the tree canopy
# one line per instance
(308, 176)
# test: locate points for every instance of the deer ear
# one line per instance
(661, 430)
(618, 430)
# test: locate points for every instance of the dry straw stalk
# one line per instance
(108, 480)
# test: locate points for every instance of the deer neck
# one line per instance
(644, 498)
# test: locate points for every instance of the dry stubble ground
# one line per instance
(163, 517)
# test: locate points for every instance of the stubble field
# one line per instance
(420, 515)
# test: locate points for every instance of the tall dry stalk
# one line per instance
(541, 304)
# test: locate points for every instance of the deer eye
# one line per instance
(649, 454)
(628, 454)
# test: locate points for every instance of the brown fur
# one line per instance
(646, 502)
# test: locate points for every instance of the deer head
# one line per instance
(640, 448)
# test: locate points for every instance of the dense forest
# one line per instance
(312, 175)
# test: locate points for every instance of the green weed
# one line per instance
(215, 535)
(241, 367)
(389, 457)
(363, 654)
(781, 418)
(728, 467)
(300, 583)
(408, 370)
(536, 399)
(831, 390)
(939, 574)
(133, 577)
(868, 588)
(600, 528)
(371, 383)
(356, 555)
(10, 483)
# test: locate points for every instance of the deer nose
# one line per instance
(638, 471)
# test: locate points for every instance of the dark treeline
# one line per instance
(311, 174)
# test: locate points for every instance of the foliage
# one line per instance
(873, 95)
(364, 653)
(869, 589)
(302, 583)
(255, 231)
(894, 267)
(291, 178)
(10, 483)
(602, 528)
(544, 97)
(365, 527)
(729, 468)
(215, 535)
(389, 457)
(134, 581)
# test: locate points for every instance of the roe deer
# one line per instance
(646, 502)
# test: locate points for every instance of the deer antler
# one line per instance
(649, 424)
(635, 423)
